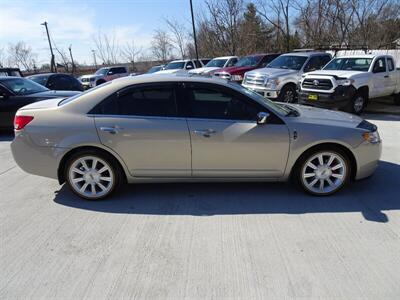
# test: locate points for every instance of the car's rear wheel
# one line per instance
(324, 172)
(92, 175)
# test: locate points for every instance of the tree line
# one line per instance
(239, 27)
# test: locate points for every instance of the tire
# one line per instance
(288, 94)
(396, 99)
(334, 172)
(357, 104)
(92, 182)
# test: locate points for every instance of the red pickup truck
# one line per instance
(245, 64)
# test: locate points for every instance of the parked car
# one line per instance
(103, 75)
(10, 72)
(349, 82)
(278, 80)
(16, 92)
(172, 128)
(215, 64)
(155, 69)
(245, 64)
(57, 81)
(181, 66)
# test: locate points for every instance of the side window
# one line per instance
(232, 62)
(211, 103)
(3, 92)
(390, 64)
(380, 66)
(266, 60)
(324, 60)
(141, 101)
(313, 64)
(189, 65)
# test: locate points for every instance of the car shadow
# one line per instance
(371, 197)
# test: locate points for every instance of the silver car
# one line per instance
(154, 128)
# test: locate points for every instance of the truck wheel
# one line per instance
(357, 104)
(288, 94)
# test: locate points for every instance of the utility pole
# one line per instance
(53, 66)
(194, 31)
(94, 58)
(72, 59)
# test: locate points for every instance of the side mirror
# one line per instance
(262, 117)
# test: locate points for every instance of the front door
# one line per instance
(141, 124)
(379, 78)
(226, 140)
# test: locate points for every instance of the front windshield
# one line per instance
(291, 62)
(41, 79)
(174, 65)
(102, 71)
(248, 61)
(23, 86)
(280, 109)
(219, 63)
(351, 64)
(153, 69)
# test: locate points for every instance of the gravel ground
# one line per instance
(202, 241)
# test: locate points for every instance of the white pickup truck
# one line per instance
(349, 82)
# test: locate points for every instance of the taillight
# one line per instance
(21, 121)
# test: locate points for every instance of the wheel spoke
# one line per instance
(78, 179)
(321, 184)
(313, 182)
(311, 165)
(338, 166)
(84, 186)
(339, 176)
(76, 170)
(94, 163)
(320, 160)
(105, 179)
(93, 188)
(103, 169)
(308, 175)
(84, 164)
(330, 182)
(103, 188)
(330, 161)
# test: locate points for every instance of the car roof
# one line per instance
(307, 54)
(11, 77)
(361, 56)
(224, 57)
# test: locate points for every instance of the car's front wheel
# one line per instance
(92, 175)
(323, 172)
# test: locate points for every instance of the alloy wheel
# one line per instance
(91, 177)
(358, 104)
(324, 173)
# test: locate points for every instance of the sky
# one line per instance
(76, 22)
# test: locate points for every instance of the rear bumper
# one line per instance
(340, 98)
(34, 159)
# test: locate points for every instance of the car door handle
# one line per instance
(112, 130)
(386, 76)
(205, 132)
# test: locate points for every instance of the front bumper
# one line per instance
(340, 97)
(87, 85)
(367, 157)
(34, 159)
(267, 93)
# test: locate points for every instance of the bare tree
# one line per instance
(107, 47)
(2, 58)
(161, 45)
(21, 55)
(63, 57)
(179, 38)
(129, 52)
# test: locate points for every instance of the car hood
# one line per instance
(336, 73)
(204, 70)
(319, 116)
(235, 70)
(90, 76)
(272, 72)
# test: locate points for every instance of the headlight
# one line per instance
(272, 83)
(237, 77)
(345, 82)
(371, 137)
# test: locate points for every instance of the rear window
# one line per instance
(70, 99)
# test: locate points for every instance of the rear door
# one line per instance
(226, 140)
(141, 124)
(391, 76)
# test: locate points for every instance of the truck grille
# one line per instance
(254, 80)
(317, 84)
